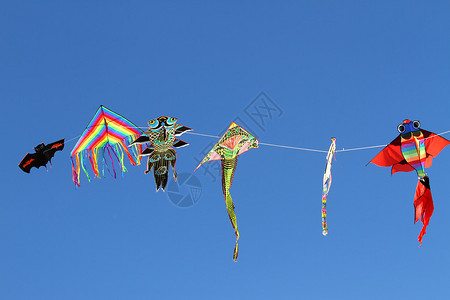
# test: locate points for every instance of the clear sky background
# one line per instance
(349, 69)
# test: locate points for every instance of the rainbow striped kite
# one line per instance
(107, 135)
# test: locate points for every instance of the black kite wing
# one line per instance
(50, 149)
(32, 160)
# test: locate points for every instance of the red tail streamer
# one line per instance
(423, 204)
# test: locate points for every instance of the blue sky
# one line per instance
(349, 69)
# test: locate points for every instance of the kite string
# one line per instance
(379, 146)
(202, 134)
(72, 139)
(360, 148)
(317, 150)
(290, 147)
(442, 133)
(265, 144)
(343, 149)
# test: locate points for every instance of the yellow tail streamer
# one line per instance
(232, 216)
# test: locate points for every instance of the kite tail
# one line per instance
(112, 160)
(423, 205)
(324, 209)
(136, 150)
(326, 188)
(228, 169)
(232, 216)
(120, 158)
(75, 175)
(327, 184)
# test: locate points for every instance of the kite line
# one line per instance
(285, 146)
(309, 149)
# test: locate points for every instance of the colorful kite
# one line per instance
(327, 184)
(107, 135)
(161, 136)
(43, 155)
(414, 149)
(232, 144)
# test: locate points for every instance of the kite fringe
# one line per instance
(115, 152)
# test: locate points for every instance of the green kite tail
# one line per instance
(228, 169)
(233, 143)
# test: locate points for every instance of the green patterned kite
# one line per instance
(232, 144)
(162, 137)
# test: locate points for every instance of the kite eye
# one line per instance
(416, 124)
(401, 128)
(171, 121)
(153, 123)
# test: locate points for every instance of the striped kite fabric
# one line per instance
(107, 135)
(413, 150)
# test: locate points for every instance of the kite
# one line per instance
(327, 184)
(233, 143)
(106, 135)
(413, 150)
(161, 137)
(43, 155)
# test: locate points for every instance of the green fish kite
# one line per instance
(232, 144)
